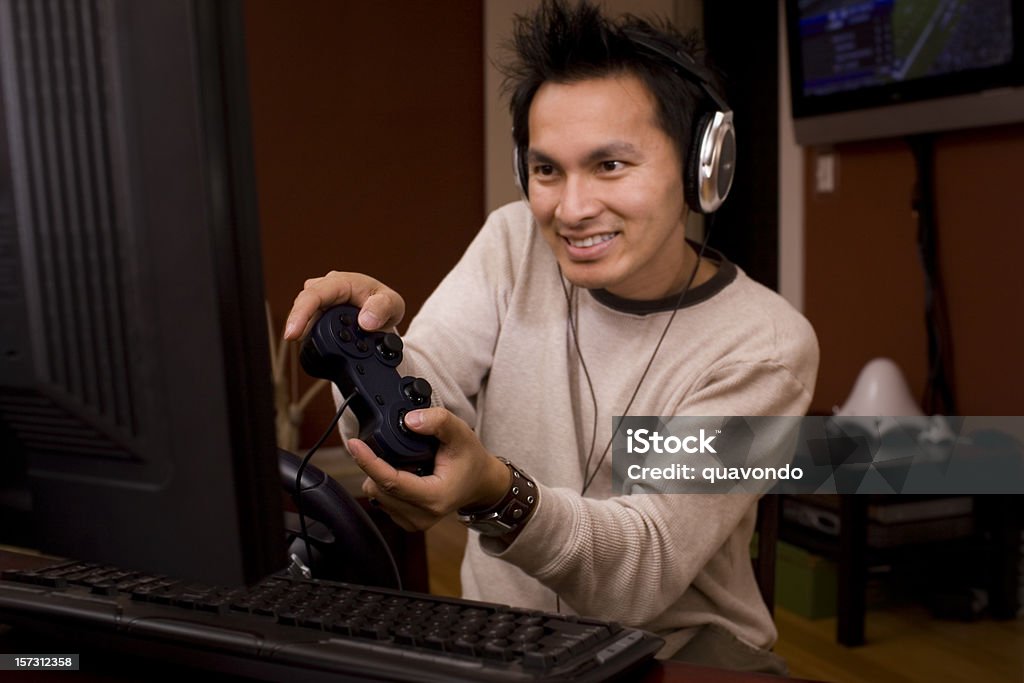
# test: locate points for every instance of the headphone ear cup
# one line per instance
(712, 162)
(692, 177)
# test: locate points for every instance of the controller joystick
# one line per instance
(365, 364)
(391, 346)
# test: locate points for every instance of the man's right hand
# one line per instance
(381, 307)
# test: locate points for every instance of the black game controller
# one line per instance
(364, 363)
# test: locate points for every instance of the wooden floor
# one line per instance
(445, 545)
(904, 644)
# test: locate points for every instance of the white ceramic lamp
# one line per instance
(880, 389)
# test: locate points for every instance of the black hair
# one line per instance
(567, 43)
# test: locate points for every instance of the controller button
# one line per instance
(346, 335)
(346, 320)
(379, 399)
(390, 345)
(419, 391)
(361, 345)
(360, 369)
(401, 421)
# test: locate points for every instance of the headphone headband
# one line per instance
(688, 67)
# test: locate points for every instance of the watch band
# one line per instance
(511, 512)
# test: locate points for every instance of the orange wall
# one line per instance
(864, 285)
(368, 141)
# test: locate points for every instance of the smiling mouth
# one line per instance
(590, 241)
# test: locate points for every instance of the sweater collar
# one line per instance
(722, 278)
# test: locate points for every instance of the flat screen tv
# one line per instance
(866, 69)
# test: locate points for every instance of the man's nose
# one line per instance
(578, 200)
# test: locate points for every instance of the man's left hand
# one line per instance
(465, 474)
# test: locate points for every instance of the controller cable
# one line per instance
(298, 497)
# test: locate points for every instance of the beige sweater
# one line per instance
(494, 341)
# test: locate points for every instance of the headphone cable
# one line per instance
(588, 476)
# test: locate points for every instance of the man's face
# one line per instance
(605, 187)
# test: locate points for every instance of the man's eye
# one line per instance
(612, 166)
(543, 170)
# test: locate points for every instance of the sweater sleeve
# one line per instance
(646, 550)
(451, 340)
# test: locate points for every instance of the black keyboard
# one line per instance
(304, 629)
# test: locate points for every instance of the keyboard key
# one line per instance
(496, 649)
(437, 641)
(538, 660)
(527, 634)
(104, 588)
(374, 631)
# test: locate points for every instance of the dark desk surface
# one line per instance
(13, 643)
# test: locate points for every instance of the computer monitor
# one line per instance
(136, 406)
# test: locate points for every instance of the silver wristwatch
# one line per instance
(510, 512)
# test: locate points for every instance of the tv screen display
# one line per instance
(879, 68)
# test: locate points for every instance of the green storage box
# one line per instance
(805, 583)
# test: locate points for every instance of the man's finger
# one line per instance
(396, 483)
(403, 513)
(437, 422)
(304, 309)
(316, 295)
(381, 306)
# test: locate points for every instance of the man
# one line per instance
(585, 303)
